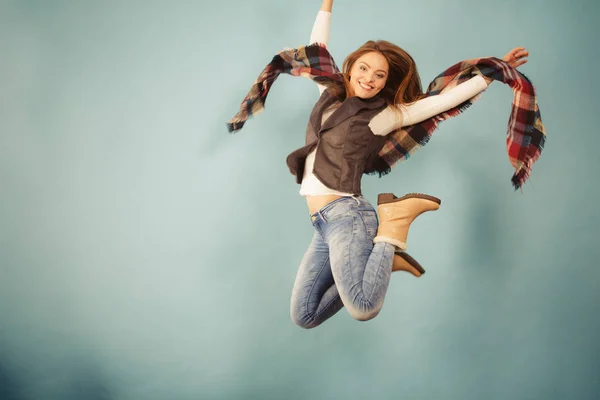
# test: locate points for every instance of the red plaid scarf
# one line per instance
(525, 136)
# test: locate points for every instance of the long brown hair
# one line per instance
(403, 85)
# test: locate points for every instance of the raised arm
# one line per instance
(321, 27)
(389, 120)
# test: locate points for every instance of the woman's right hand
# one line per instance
(516, 57)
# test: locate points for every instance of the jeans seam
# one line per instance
(367, 298)
(312, 288)
(378, 270)
(347, 262)
(362, 220)
(326, 307)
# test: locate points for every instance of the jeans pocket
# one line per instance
(340, 210)
(369, 219)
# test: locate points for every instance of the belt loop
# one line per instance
(321, 215)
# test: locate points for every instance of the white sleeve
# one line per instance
(320, 33)
(389, 120)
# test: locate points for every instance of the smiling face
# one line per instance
(369, 74)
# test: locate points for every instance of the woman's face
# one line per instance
(369, 74)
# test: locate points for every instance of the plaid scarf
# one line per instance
(525, 135)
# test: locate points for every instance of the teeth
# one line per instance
(365, 86)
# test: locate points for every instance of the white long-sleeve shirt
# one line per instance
(389, 119)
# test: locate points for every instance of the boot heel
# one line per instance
(404, 262)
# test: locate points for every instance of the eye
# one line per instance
(380, 76)
(363, 68)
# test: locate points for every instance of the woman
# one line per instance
(351, 257)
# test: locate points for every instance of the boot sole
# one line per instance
(386, 198)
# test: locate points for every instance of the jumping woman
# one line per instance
(373, 108)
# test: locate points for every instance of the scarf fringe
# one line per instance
(524, 173)
(233, 127)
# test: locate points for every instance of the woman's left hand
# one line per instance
(516, 57)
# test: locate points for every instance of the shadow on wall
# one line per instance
(9, 388)
(87, 383)
(83, 382)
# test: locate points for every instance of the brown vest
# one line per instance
(347, 147)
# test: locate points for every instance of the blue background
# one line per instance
(145, 253)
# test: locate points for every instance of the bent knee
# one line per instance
(303, 321)
(365, 314)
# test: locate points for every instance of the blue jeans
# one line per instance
(342, 266)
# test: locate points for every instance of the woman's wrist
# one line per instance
(327, 5)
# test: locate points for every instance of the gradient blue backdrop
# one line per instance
(145, 253)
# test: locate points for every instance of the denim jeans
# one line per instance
(342, 266)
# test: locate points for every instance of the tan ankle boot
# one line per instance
(396, 215)
(404, 262)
